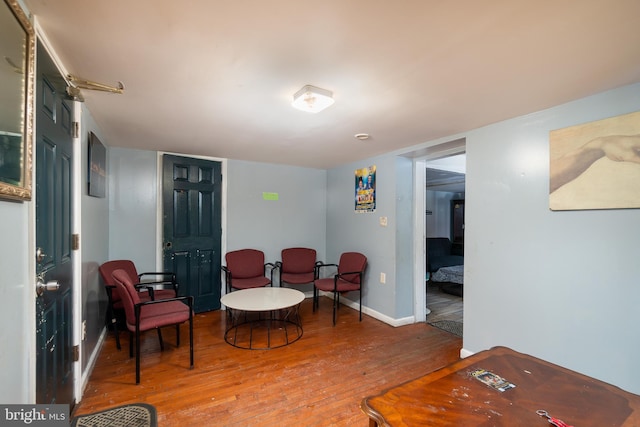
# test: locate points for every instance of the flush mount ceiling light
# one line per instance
(312, 99)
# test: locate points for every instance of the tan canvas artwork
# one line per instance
(596, 165)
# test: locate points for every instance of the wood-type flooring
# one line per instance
(319, 380)
(443, 306)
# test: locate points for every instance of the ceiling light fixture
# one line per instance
(362, 136)
(312, 99)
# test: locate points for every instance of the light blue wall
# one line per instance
(132, 206)
(439, 203)
(388, 249)
(17, 298)
(94, 246)
(403, 199)
(562, 286)
(297, 218)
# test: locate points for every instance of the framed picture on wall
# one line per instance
(596, 165)
(97, 167)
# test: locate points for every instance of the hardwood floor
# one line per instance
(443, 306)
(319, 380)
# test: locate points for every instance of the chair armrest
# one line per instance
(273, 267)
(346, 273)
(319, 265)
(156, 283)
(158, 273)
(227, 277)
(188, 298)
(152, 286)
(316, 269)
(138, 307)
(150, 289)
(349, 273)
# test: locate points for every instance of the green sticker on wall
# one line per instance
(269, 196)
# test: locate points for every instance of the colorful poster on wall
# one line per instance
(366, 189)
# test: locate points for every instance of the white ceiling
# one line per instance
(447, 174)
(215, 78)
(456, 163)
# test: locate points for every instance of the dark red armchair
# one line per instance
(152, 285)
(349, 277)
(247, 269)
(142, 316)
(298, 266)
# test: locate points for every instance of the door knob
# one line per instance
(41, 286)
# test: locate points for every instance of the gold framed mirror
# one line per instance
(17, 76)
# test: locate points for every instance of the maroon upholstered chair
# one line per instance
(142, 316)
(298, 266)
(152, 288)
(347, 279)
(246, 269)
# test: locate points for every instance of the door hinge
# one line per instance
(75, 350)
(75, 242)
(76, 130)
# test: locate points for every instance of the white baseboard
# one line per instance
(93, 358)
(465, 353)
(373, 313)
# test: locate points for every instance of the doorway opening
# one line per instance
(444, 231)
(423, 157)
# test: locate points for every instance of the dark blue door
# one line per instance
(54, 166)
(192, 227)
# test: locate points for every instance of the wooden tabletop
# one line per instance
(452, 396)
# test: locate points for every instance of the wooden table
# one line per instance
(451, 396)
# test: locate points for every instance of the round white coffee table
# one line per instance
(263, 318)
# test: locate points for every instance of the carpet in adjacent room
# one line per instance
(449, 326)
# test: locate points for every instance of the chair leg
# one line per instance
(138, 356)
(130, 344)
(113, 323)
(160, 339)
(177, 335)
(361, 303)
(191, 338)
(335, 306)
(315, 299)
(117, 333)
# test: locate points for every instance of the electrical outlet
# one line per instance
(383, 221)
(383, 278)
